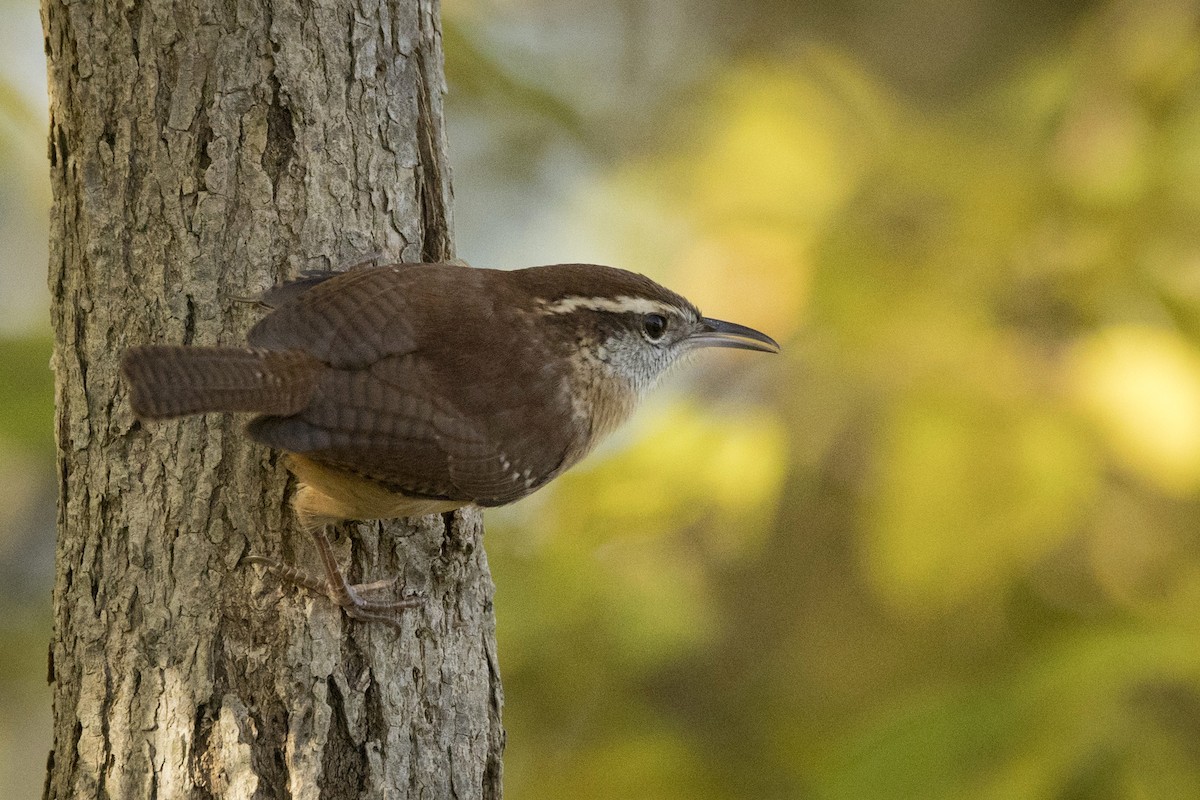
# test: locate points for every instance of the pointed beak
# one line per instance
(715, 333)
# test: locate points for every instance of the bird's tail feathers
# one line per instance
(169, 381)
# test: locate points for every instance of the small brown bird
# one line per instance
(400, 391)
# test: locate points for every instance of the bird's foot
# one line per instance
(342, 592)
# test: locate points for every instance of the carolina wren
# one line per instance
(401, 391)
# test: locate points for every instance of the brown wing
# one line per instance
(385, 424)
(450, 411)
(349, 320)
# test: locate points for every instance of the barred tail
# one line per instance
(167, 381)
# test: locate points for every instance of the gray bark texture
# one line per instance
(201, 151)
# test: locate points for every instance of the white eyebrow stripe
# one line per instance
(617, 305)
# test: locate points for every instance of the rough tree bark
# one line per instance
(201, 151)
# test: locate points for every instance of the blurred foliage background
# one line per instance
(948, 544)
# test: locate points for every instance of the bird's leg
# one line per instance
(335, 586)
(346, 595)
(290, 574)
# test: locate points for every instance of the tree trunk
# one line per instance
(202, 151)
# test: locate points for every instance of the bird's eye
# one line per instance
(655, 325)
